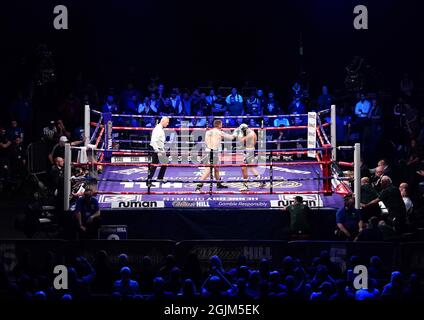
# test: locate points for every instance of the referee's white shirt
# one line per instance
(158, 138)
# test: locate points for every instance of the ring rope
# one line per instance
(208, 181)
(325, 111)
(202, 142)
(262, 151)
(189, 165)
(98, 124)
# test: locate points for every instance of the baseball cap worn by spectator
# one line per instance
(63, 139)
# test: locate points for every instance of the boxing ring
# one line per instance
(115, 162)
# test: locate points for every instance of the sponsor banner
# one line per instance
(312, 200)
(230, 253)
(137, 204)
(108, 124)
(113, 232)
(218, 204)
(151, 204)
(129, 159)
(312, 133)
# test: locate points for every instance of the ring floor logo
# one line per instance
(231, 184)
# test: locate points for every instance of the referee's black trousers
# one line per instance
(155, 160)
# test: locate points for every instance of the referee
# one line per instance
(157, 149)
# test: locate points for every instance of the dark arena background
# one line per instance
(197, 151)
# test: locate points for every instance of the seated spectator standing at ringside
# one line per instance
(5, 144)
(392, 199)
(216, 103)
(371, 293)
(323, 293)
(80, 279)
(228, 122)
(188, 291)
(297, 107)
(61, 129)
(176, 103)
(368, 194)
(49, 134)
(126, 287)
(235, 107)
(159, 292)
(349, 220)
(87, 214)
(130, 98)
(167, 108)
(260, 98)
(363, 107)
(376, 178)
(59, 148)
(371, 232)
(15, 131)
(200, 121)
(213, 289)
(387, 170)
(110, 105)
(56, 174)
(147, 108)
(300, 218)
(195, 101)
(187, 104)
(18, 158)
(394, 289)
(341, 293)
(325, 100)
(409, 205)
(78, 134)
(253, 105)
(281, 122)
(204, 105)
(272, 106)
(237, 98)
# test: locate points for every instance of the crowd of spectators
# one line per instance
(391, 203)
(291, 280)
(202, 104)
(394, 132)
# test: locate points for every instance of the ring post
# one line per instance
(67, 177)
(357, 175)
(149, 168)
(86, 125)
(271, 175)
(211, 171)
(333, 132)
(326, 168)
